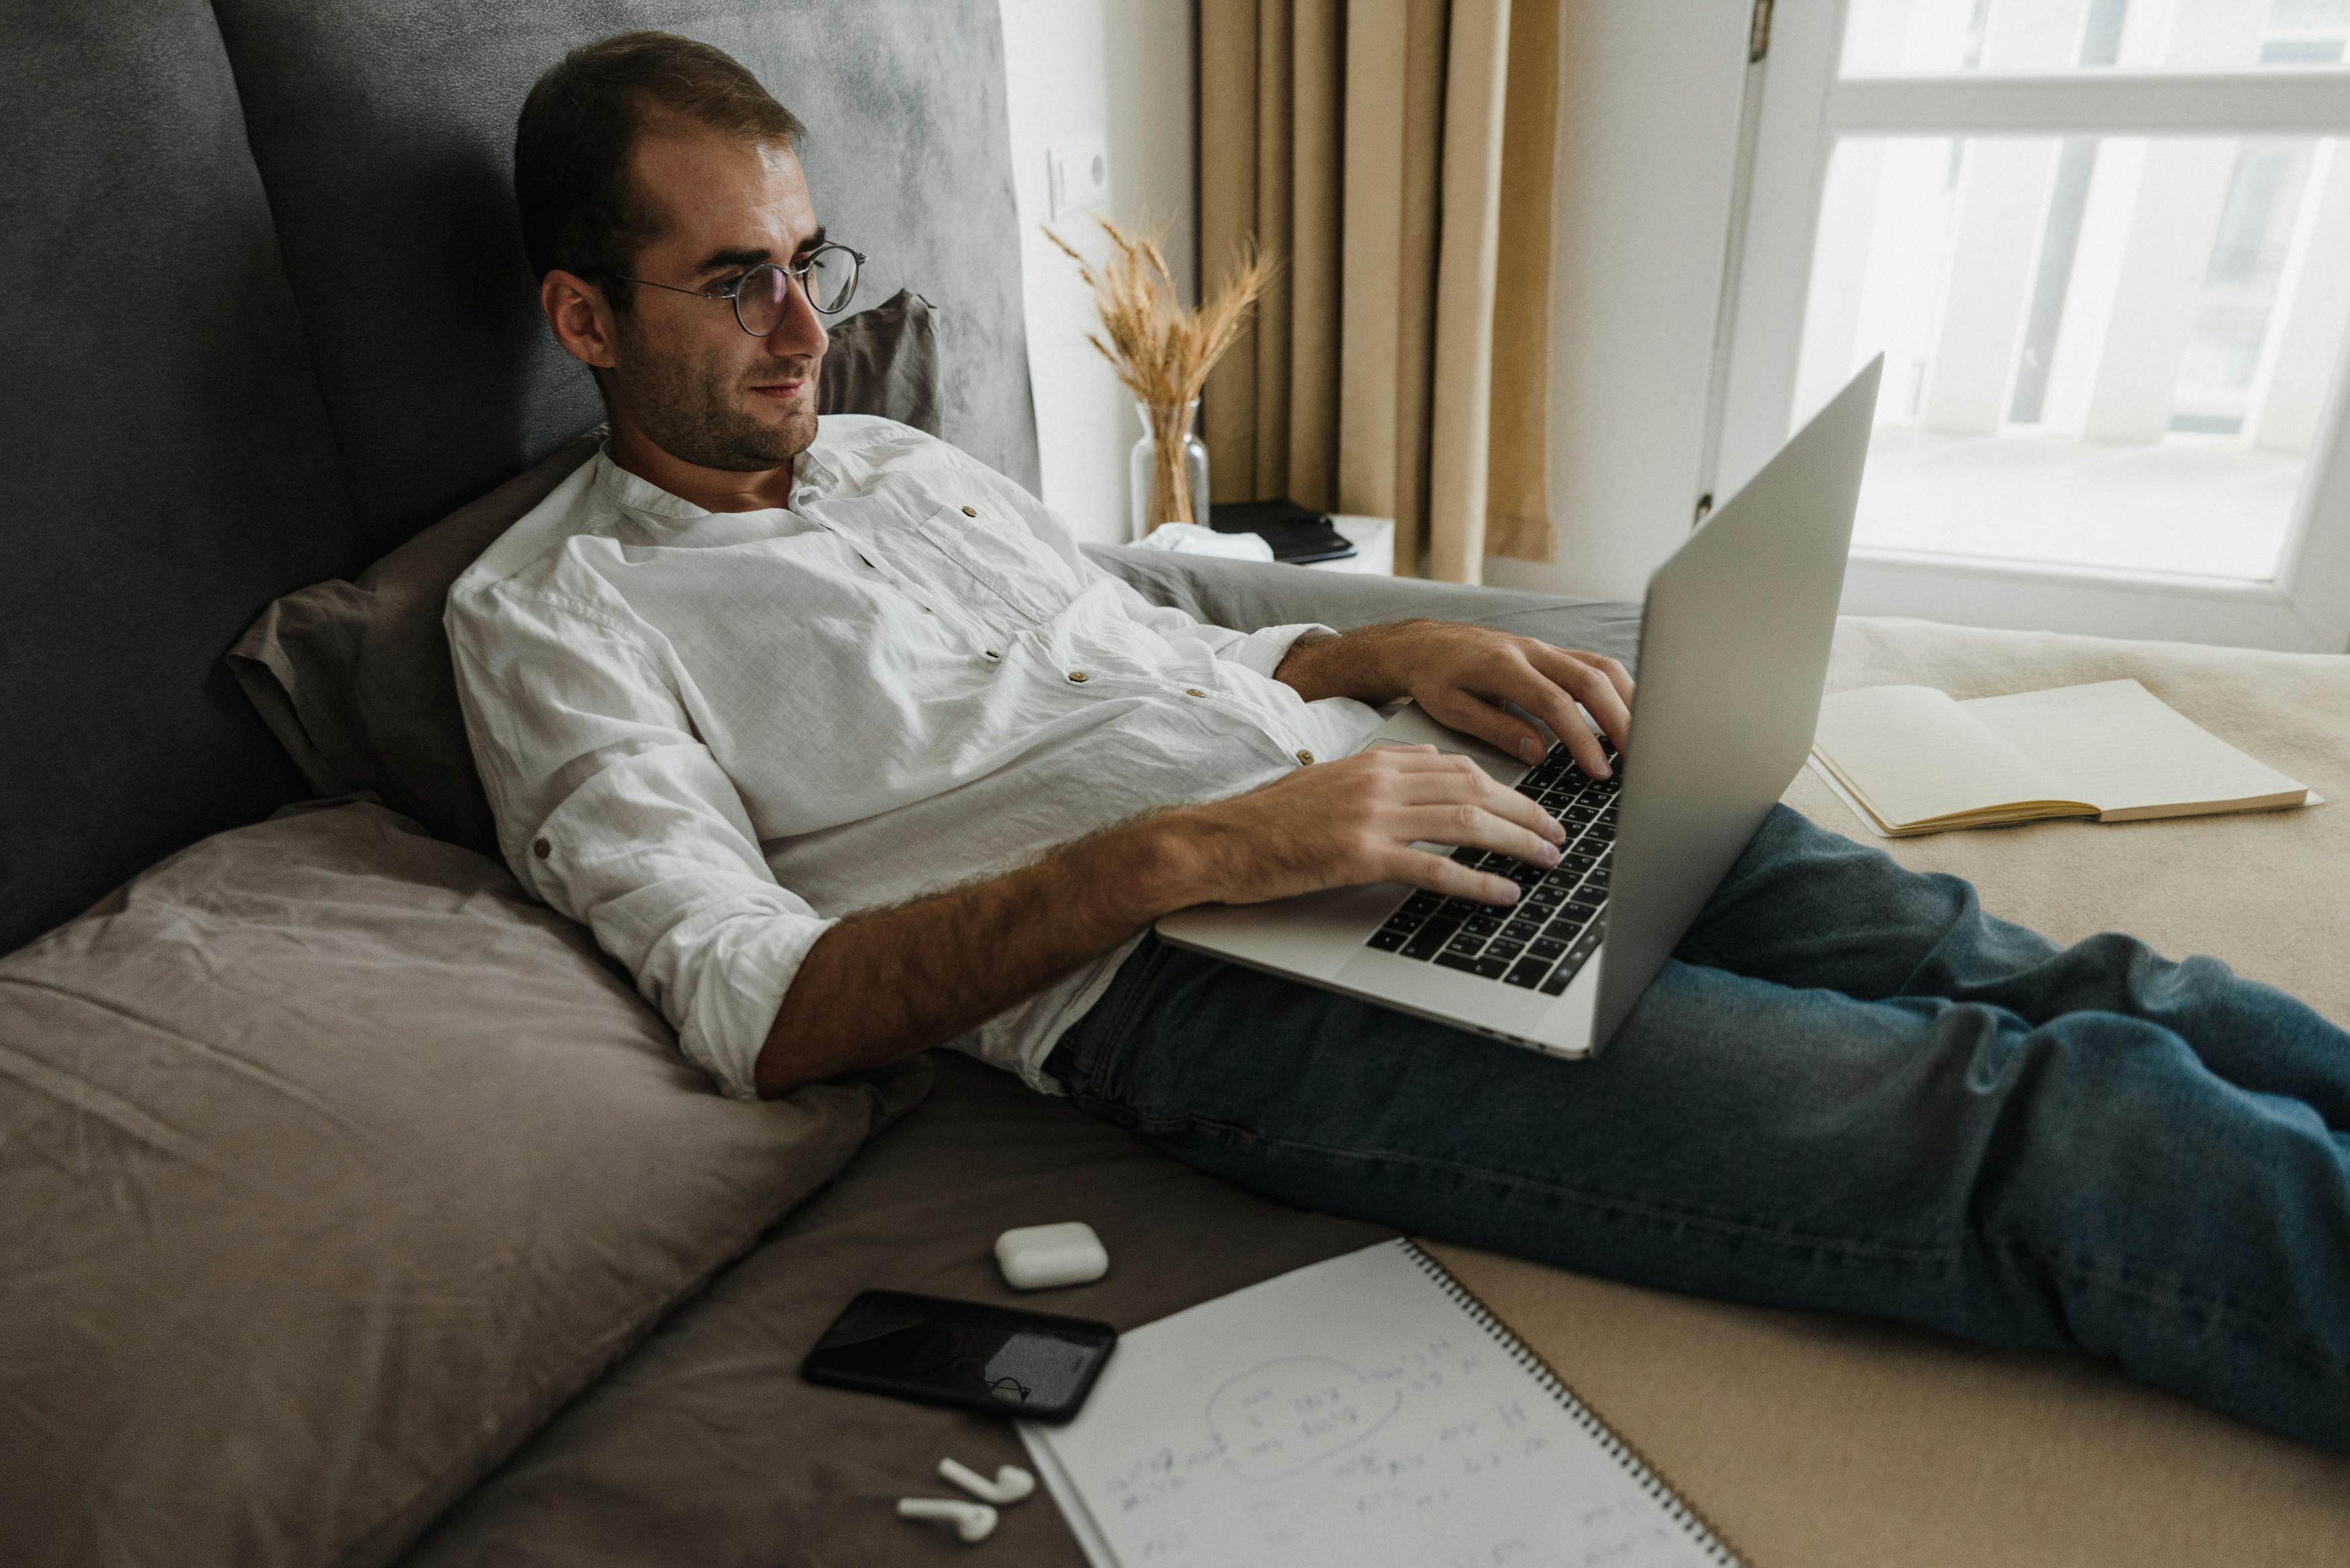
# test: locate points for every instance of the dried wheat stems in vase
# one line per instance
(1161, 350)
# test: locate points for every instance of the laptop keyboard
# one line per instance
(1550, 933)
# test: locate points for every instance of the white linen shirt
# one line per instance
(710, 735)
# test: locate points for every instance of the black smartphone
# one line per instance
(1029, 1364)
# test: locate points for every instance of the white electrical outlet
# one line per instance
(1080, 174)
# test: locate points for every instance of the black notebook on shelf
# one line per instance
(1298, 535)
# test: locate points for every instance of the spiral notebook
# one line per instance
(1366, 1411)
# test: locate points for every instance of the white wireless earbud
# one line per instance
(1011, 1484)
(973, 1521)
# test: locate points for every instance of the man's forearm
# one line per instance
(1361, 664)
(883, 986)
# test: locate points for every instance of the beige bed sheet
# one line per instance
(1813, 1440)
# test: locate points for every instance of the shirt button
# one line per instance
(542, 849)
(970, 510)
(1306, 757)
(1193, 691)
(1078, 676)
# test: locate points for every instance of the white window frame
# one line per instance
(1803, 109)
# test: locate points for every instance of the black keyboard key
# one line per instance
(1431, 937)
(1503, 948)
(1385, 940)
(1521, 929)
(1481, 925)
(1420, 904)
(1528, 974)
(1547, 948)
(1484, 968)
(1465, 943)
(1548, 896)
(1571, 965)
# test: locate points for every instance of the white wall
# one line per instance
(1648, 97)
(1123, 69)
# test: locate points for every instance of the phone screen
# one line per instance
(1024, 1363)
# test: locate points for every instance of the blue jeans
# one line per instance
(1849, 1089)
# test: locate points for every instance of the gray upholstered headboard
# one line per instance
(264, 313)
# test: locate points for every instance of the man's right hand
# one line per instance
(1340, 824)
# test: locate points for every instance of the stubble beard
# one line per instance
(695, 412)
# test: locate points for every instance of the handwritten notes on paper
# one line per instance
(1355, 1412)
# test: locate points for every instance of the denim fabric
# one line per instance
(1849, 1089)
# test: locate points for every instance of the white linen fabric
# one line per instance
(708, 736)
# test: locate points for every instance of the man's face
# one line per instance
(685, 372)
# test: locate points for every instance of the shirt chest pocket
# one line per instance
(999, 555)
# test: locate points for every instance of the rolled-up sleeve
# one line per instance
(611, 810)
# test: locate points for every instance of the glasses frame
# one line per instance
(733, 293)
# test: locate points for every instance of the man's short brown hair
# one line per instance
(580, 210)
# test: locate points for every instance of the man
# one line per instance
(832, 736)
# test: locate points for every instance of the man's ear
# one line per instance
(581, 318)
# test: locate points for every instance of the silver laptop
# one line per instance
(1734, 652)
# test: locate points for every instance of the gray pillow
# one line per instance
(330, 1166)
(355, 680)
(885, 361)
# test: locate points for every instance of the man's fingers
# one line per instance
(1475, 787)
(1541, 693)
(1475, 828)
(1472, 715)
(1563, 683)
(1419, 869)
(1617, 676)
(1600, 684)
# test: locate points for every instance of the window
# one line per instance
(2104, 247)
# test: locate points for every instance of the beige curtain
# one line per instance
(1397, 156)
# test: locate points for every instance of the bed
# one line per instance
(356, 1209)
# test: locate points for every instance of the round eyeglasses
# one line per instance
(760, 296)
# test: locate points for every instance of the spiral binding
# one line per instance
(1706, 1538)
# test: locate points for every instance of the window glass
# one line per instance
(2110, 352)
(1906, 37)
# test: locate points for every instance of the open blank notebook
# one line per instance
(1364, 1411)
(1910, 759)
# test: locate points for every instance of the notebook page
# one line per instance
(1350, 1413)
(1914, 755)
(2124, 749)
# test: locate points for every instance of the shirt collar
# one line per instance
(812, 477)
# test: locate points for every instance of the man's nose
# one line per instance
(801, 331)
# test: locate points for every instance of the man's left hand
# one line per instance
(1463, 674)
